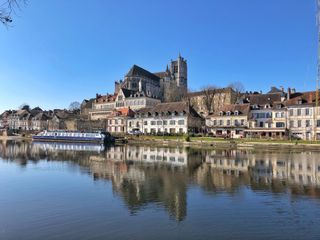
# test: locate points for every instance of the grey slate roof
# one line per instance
(137, 71)
(171, 107)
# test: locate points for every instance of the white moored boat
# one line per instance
(96, 137)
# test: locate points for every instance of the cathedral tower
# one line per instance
(179, 71)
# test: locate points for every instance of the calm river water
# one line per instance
(66, 191)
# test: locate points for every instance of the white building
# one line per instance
(167, 118)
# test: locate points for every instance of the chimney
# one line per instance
(289, 94)
(310, 100)
(116, 87)
(282, 88)
(293, 91)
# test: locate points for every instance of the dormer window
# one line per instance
(221, 113)
(228, 113)
(255, 106)
(299, 101)
(267, 106)
(236, 113)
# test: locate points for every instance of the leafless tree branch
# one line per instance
(9, 8)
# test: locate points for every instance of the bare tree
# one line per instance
(74, 106)
(8, 8)
(238, 88)
(208, 98)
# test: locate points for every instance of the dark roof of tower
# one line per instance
(137, 71)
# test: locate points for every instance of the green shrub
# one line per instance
(187, 138)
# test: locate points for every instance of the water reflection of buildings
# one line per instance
(267, 168)
(143, 175)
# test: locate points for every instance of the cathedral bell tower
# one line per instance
(179, 71)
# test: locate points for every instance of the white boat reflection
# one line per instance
(61, 146)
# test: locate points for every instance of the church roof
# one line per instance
(137, 71)
(161, 74)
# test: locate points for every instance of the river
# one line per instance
(70, 191)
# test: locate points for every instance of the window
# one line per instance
(280, 124)
(299, 123)
(221, 122)
(307, 123)
(279, 115)
(242, 122)
(181, 122)
(299, 112)
(307, 111)
(291, 112)
(228, 113)
(165, 122)
(236, 122)
(159, 122)
(318, 123)
(236, 113)
(215, 122)
(228, 122)
(145, 123)
(153, 122)
(172, 122)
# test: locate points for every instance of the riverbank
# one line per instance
(225, 143)
(15, 138)
(207, 142)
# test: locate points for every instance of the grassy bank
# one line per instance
(182, 139)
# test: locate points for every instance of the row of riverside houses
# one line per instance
(276, 114)
(36, 119)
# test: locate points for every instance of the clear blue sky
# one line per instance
(61, 51)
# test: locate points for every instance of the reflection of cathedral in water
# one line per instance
(143, 175)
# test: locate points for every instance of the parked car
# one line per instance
(135, 132)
